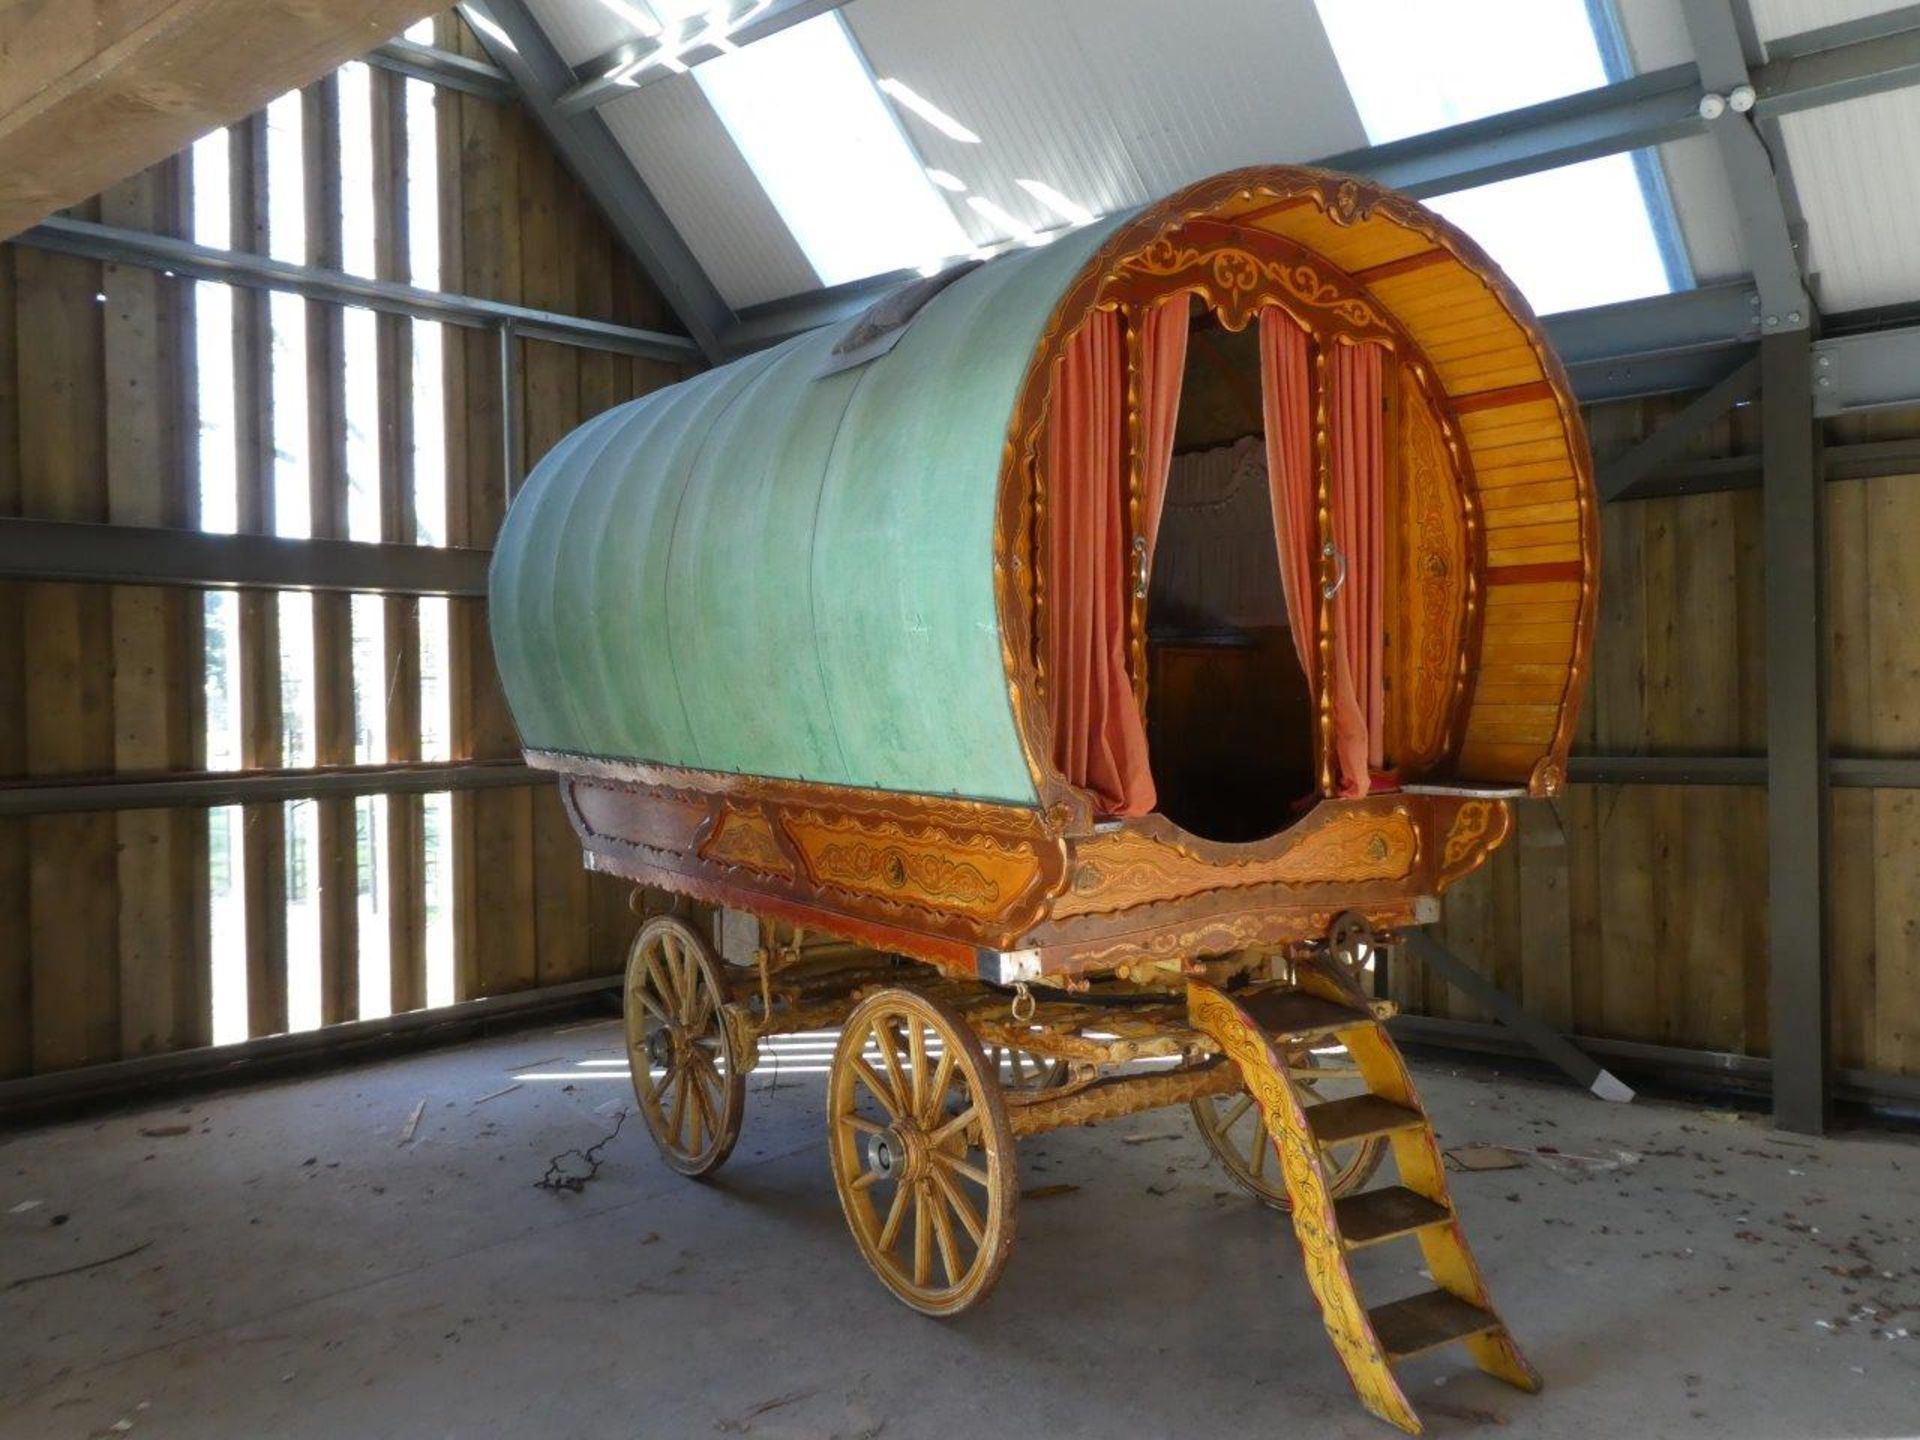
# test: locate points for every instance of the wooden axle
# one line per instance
(1119, 1095)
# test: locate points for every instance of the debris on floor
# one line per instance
(1483, 1157)
(779, 1402)
(560, 1177)
(23, 1281)
(413, 1123)
(496, 1094)
(1046, 1192)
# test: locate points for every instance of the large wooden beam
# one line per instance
(92, 91)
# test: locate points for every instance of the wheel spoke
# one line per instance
(702, 1010)
(937, 1093)
(660, 971)
(689, 980)
(864, 1073)
(961, 1167)
(862, 1124)
(943, 1233)
(960, 1205)
(695, 1117)
(890, 1232)
(704, 1098)
(954, 1126)
(922, 1237)
(677, 1120)
(917, 1060)
(644, 994)
(890, 1055)
(1261, 1145)
(1232, 1117)
(867, 1179)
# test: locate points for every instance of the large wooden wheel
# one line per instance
(1234, 1130)
(922, 1156)
(685, 1076)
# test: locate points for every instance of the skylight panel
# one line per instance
(804, 112)
(1573, 237)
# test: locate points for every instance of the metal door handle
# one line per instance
(1332, 552)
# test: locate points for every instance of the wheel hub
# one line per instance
(662, 1048)
(899, 1154)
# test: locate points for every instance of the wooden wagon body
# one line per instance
(778, 627)
(904, 633)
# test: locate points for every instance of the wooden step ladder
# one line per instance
(1256, 1027)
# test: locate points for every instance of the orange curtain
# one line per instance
(1099, 740)
(1287, 408)
(1163, 362)
(1359, 520)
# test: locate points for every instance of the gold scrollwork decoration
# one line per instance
(1235, 281)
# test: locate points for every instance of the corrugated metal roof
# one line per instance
(1117, 102)
(694, 169)
(1703, 206)
(1112, 102)
(580, 29)
(1856, 166)
(1774, 18)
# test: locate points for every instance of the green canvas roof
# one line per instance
(781, 569)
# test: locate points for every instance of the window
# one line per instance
(1573, 237)
(830, 154)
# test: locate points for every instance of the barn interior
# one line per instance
(317, 1115)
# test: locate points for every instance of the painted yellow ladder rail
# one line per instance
(1254, 1028)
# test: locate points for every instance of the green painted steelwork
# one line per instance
(776, 571)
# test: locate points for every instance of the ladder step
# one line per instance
(1360, 1116)
(1289, 1014)
(1385, 1214)
(1426, 1321)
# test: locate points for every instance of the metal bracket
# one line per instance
(1550, 1043)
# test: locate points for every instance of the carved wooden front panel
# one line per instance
(1470, 834)
(745, 838)
(656, 819)
(1125, 870)
(976, 873)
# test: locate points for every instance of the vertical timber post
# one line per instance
(1795, 564)
(509, 410)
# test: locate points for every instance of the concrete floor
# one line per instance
(301, 1272)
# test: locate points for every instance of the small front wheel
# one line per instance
(1236, 1132)
(685, 1075)
(922, 1156)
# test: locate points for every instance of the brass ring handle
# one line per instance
(1332, 552)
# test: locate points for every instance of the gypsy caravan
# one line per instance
(1057, 677)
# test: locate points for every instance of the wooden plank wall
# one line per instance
(104, 924)
(103, 948)
(515, 227)
(1638, 912)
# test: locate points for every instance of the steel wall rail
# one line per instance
(1854, 772)
(196, 789)
(239, 267)
(135, 555)
(444, 68)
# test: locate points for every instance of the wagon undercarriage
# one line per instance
(1282, 1058)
